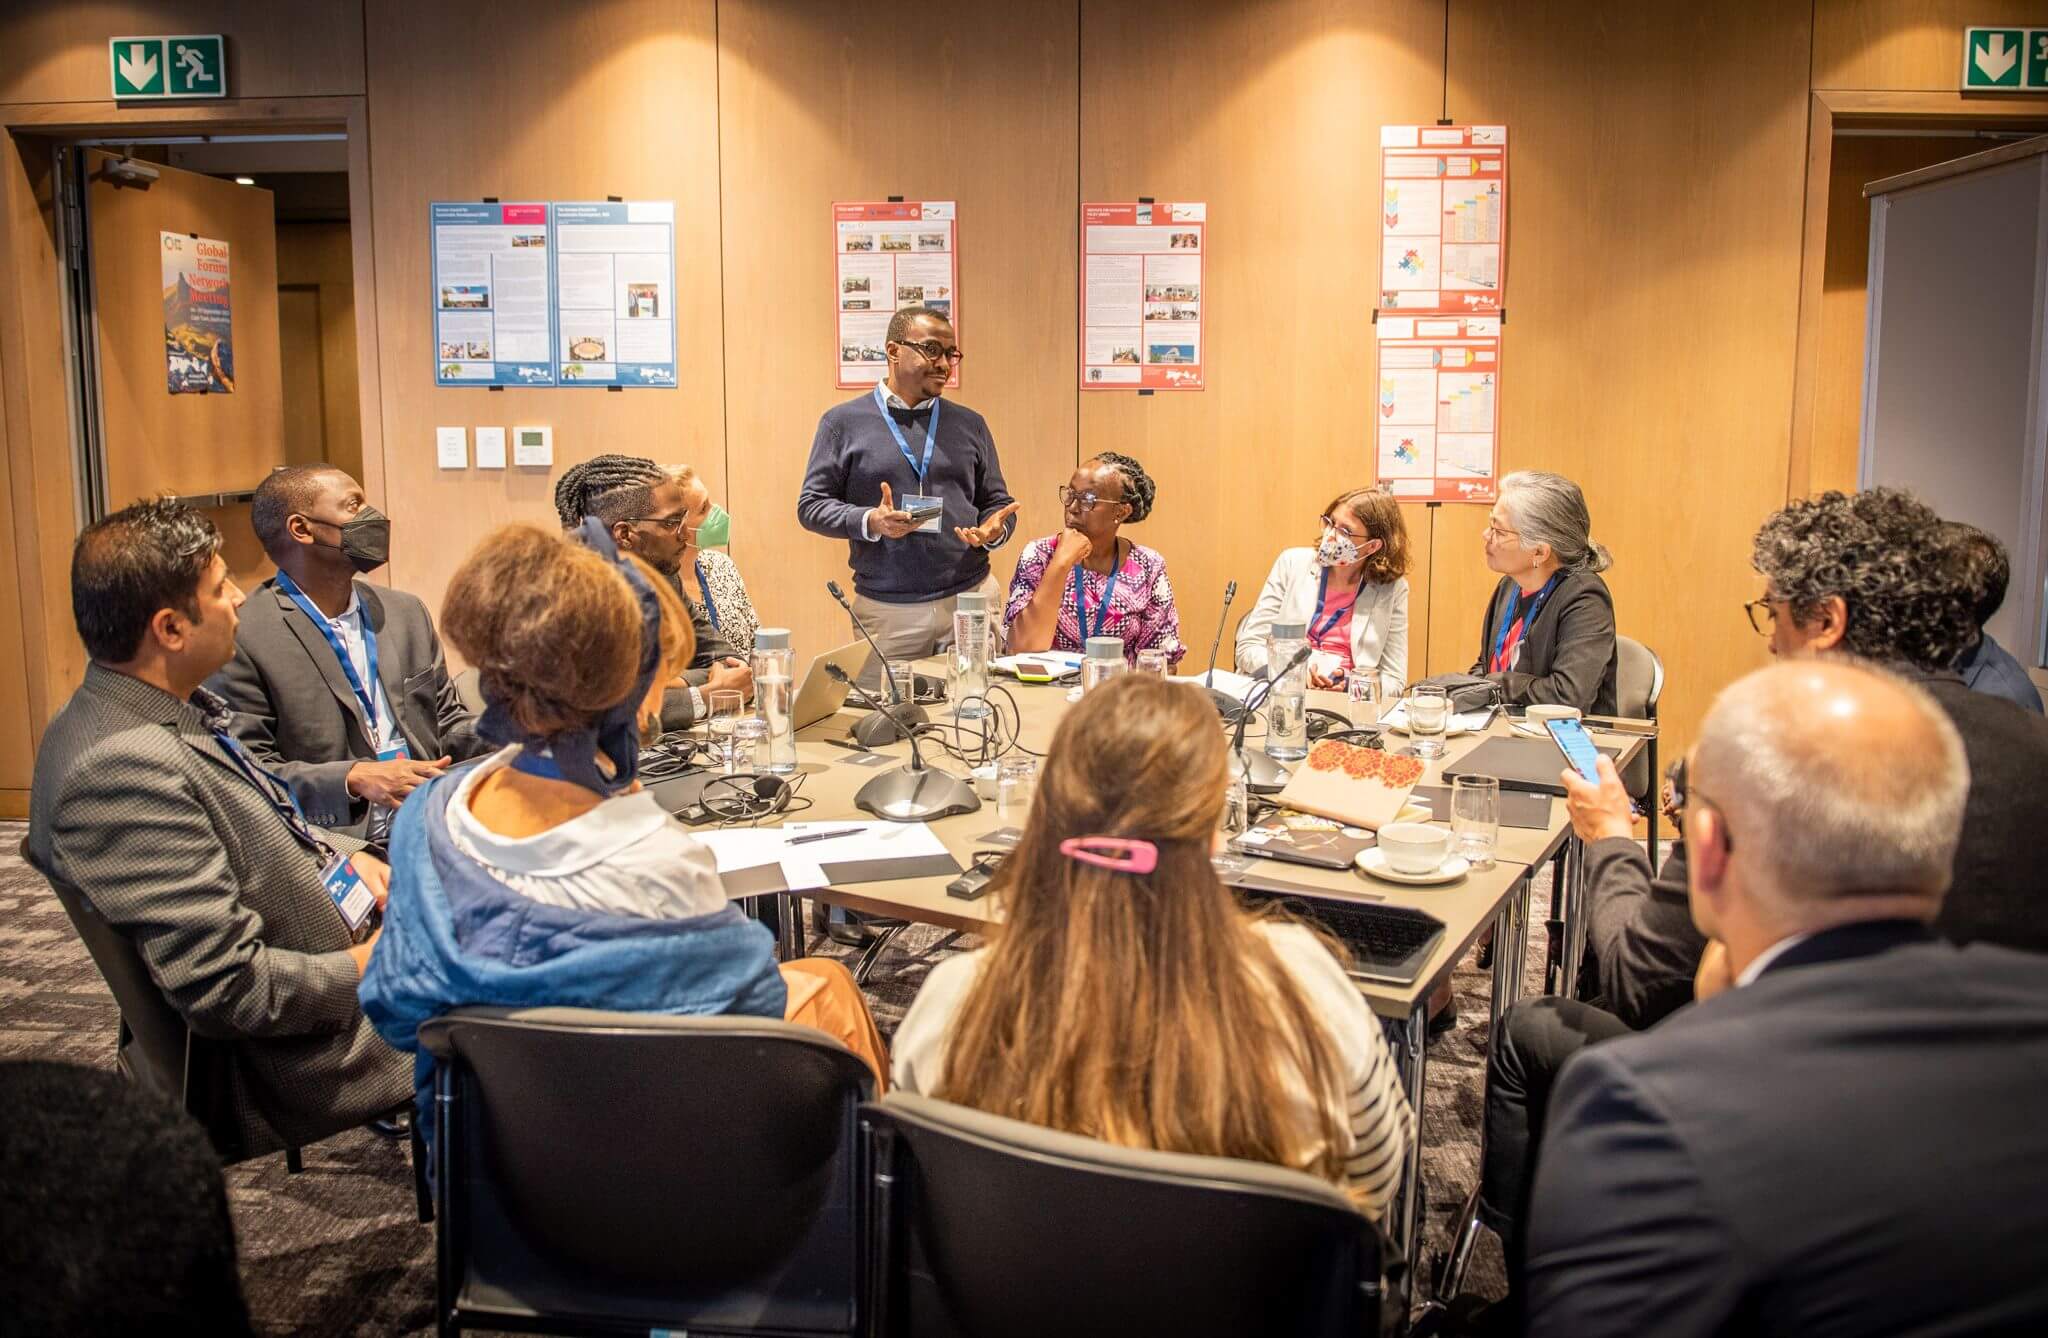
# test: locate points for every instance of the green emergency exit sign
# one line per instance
(190, 66)
(2005, 60)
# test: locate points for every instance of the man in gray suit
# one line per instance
(248, 918)
(337, 685)
(1844, 1135)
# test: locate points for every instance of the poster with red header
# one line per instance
(1436, 418)
(889, 254)
(1141, 295)
(1443, 218)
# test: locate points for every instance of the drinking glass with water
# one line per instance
(722, 721)
(1475, 818)
(1429, 715)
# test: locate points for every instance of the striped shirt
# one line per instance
(1378, 1125)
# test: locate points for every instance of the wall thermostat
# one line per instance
(533, 446)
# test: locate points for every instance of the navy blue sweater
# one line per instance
(854, 454)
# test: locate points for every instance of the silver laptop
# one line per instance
(819, 695)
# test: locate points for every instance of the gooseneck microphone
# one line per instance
(912, 793)
(888, 723)
(1226, 705)
(1263, 772)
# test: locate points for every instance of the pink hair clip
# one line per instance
(1116, 853)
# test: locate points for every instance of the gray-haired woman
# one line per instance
(1548, 634)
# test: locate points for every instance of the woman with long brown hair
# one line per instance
(1128, 997)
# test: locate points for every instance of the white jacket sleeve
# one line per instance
(1393, 666)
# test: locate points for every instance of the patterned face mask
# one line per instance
(1336, 550)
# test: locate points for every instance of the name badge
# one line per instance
(393, 751)
(916, 502)
(354, 900)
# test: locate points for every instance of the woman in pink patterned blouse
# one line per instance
(1089, 581)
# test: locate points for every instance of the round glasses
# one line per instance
(1083, 501)
(932, 350)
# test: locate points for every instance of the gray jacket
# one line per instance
(296, 712)
(139, 807)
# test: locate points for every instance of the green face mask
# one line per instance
(716, 531)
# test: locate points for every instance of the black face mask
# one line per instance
(365, 539)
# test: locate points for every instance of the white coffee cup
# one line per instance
(1414, 847)
(1536, 715)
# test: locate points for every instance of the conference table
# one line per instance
(1498, 896)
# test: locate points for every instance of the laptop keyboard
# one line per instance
(1378, 936)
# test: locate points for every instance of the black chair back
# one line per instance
(997, 1229)
(597, 1170)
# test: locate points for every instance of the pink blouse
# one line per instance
(1140, 609)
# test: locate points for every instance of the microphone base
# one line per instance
(878, 729)
(1263, 773)
(1227, 706)
(911, 795)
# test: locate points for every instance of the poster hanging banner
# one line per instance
(199, 323)
(1437, 415)
(1141, 296)
(493, 320)
(1443, 218)
(889, 254)
(615, 292)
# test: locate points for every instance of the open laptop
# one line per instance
(819, 695)
(1387, 945)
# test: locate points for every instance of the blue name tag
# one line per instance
(393, 751)
(352, 899)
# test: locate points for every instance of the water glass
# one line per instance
(1364, 692)
(750, 745)
(1475, 818)
(1429, 715)
(1014, 779)
(721, 721)
(1153, 660)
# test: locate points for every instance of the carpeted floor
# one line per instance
(338, 1249)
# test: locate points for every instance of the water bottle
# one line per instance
(774, 665)
(1105, 661)
(1287, 704)
(970, 656)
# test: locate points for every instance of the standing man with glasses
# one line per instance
(914, 487)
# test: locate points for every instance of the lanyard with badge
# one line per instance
(1101, 610)
(704, 589)
(352, 900)
(387, 751)
(1507, 642)
(916, 501)
(1318, 628)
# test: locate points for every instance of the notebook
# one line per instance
(1363, 787)
(1304, 838)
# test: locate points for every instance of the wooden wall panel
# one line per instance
(1270, 114)
(57, 52)
(566, 103)
(1657, 162)
(1903, 44)
(820, 104)
(17, 748)
(317, 256)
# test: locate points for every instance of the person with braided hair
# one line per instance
(1089, 581)
(646, 509)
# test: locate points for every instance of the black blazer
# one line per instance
(1642, 949)
(1568, 656)
(296, 712)
(1853, 1143)
(1999, 893)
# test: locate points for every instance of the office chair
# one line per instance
(1638, 684)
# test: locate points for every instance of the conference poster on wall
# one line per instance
(615, 292)
(493, 320)
(1443, 218)
(199, 317)
(1142, 300)
(889, 254)
(1437, 415)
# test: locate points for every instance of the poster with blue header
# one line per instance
(493, 321)
(615, 293)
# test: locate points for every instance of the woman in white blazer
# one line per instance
(1351, 590)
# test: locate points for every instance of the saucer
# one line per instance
(1374, 862)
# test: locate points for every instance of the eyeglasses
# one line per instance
(673, 524)
(1496, 532)
(1330, 523)
(1763, 619)
(1083, 501)
(933, 350)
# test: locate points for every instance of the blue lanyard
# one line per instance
(1507, 617)
(348, 668)
(704, 588)
(276, 791)
(1101, 610)
(931, 434)
(1316, 633)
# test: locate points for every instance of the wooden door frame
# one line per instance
(1830, 110)
(43, 548)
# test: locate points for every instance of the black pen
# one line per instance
(822, 836)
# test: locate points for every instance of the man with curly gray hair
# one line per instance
(1876, 574)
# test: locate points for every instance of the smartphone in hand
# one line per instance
(1577, 746)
